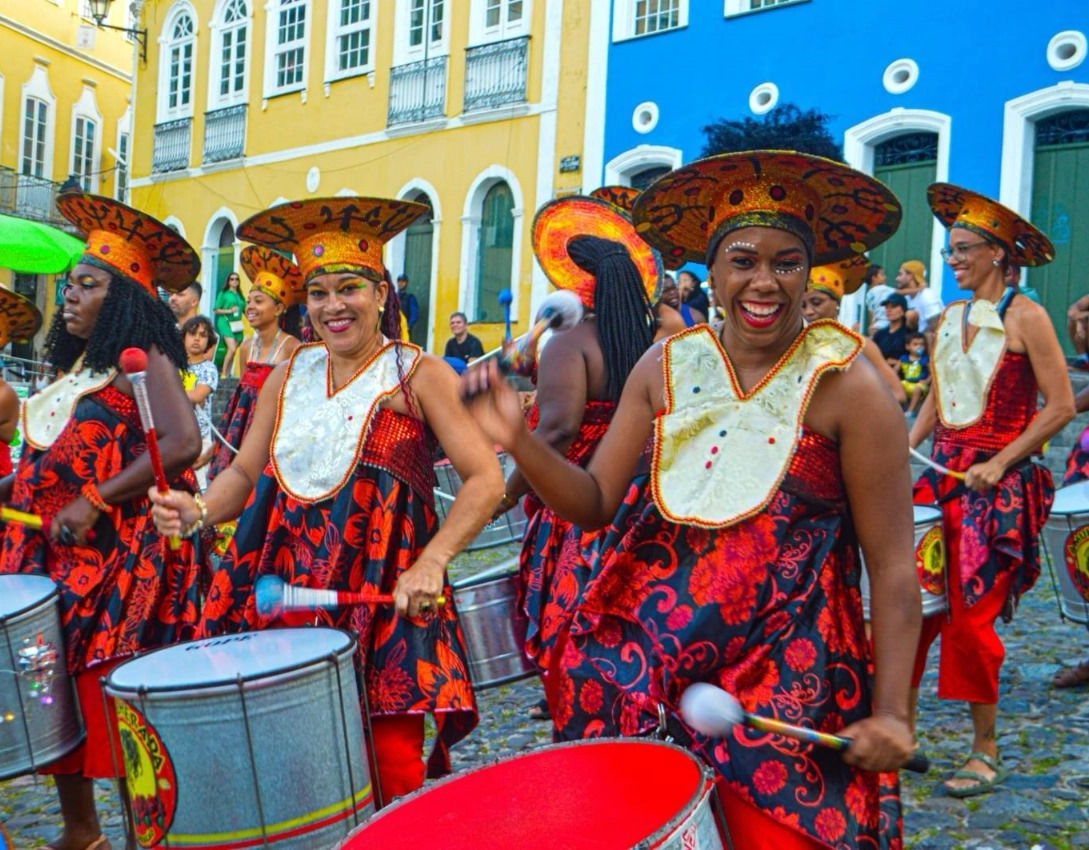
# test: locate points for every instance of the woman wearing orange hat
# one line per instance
(340, 452)
(588, 247)
(994, 354)
(275, 286)
(741, 566)
(88, 468)
(827, 286)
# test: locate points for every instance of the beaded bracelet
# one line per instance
(90, 492)
(198, 523)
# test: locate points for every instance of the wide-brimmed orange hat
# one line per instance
(274, 274)
(835, 210)
(130, 243)
(839, 279)
(20, 319)
(563, 219)
(332, 234)
(957, 207)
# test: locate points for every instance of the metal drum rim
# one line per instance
(203, 688)
(496, 573)
(53, 594)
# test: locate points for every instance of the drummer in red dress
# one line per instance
(740, 565)
(85, 467)
(340, 451)
(275, 285)
(19, 320)
(993, 355)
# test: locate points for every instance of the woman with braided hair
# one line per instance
(591, 248)
(338, 460)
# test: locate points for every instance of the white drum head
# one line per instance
(926, 513)
(1073, 499)
(221, 660)
(20, 592)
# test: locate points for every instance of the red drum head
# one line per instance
(590, 795)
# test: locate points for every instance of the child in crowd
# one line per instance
(915, 372)
(200, 382)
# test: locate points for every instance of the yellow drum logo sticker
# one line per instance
(930, 561)
(149, 775)
(1077, 560)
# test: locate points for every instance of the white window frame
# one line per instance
(273, 49)
(621, 168)
(37, 87)
(733, 8)
(123, 158)
(624, 18)
(167, 45)
(220, 28)
(86, 110)
(481, 33)
(470, 224)
(403, 51)
(334, 31)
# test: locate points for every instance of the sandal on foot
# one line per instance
(1072, 677)
(981, 784)
(540, 711)
(100, 843)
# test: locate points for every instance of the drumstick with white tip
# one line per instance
(272, 596)
(559, 311)
(713, 712)
(933, 464)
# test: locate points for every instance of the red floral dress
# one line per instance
(552, 570)
(123, 592)
(237, 416)
(361, 539)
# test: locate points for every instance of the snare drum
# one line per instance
(244, 740)
(494, 627)
(39, 716)
(605, 794)
(929, 563)
(1066, 547)
(507, 528)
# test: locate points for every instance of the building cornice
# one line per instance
(66, 49)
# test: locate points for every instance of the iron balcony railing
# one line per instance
(417, 91)
(27, 196)
(495, 74)
(171, 149)
(225, 133)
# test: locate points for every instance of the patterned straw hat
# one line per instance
(274, 274)
(19, 318)
(839, 279)
(623, 198)
(332, 234)
(130, 243)
(957, 207)
(563, 219)
(835, 210)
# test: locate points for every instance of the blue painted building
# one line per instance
(993, 96)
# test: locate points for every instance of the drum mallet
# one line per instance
(31, 520)
(134, 365)
(559, 311)
(713, 712)
(272, 597)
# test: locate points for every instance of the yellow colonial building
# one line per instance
(65, 89)
(476, 108)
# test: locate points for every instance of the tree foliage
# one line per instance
(785, 127)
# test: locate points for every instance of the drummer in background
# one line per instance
(588, 247)
(19, 320)
(993, 355)
(85, 466)
(738, 563)
(827, 286)
(275, 285)
(340, 452)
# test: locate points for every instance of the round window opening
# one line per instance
(900, 76)
(645, 117)
(763, 98)
(1066, 50)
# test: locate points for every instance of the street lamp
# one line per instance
(99, 11)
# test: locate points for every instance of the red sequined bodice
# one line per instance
(1011, 406)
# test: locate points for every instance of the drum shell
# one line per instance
(926, 519)
(39, 733)
(506, 528)
(1069, 515)
(532, 803)
(494, 627)
(304, 730)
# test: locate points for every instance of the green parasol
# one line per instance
(35, 248)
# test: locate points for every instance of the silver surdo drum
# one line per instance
(506, 528)
(39, 715)
(929, 563)
(246, 740)
(1066, 546)
(494, 627)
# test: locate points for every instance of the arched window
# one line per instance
(176, 70)
(495, 243)
(230, 51)
(641, 179)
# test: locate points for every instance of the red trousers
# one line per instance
(752, 829)
(398, 754)
(93, 758)
(971, 651)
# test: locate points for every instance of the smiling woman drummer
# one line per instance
(340, 452)
(741, 567)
